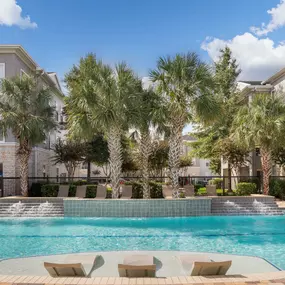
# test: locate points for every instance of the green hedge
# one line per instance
(246, 188)
(277, 188)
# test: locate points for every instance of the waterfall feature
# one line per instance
(30, 207)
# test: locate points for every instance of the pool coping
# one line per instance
(264, 278)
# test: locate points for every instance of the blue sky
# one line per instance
(59, 32)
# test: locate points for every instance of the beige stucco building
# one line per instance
(15, 61)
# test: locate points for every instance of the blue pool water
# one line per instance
(258, 236)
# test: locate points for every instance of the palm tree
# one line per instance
(148, 116)
(184, 83)
(101, 99)
(25, 110)
(261, 124)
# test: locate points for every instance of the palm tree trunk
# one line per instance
(145, 149)
(175, 145)
(88, 171)
(229, 177)
(266, 169)
(115, 159)
(24, 152)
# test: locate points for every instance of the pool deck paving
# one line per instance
(30, 270)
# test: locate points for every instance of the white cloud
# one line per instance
(11, 14)
(277, 20)
(258, 58)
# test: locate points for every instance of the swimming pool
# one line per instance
(262, 236)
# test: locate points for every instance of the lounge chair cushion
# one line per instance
(137, 266)
(65, 270)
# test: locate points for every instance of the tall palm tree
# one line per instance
(148, 117)
(25, 110)
(184, 83)
(102, 98)
(261, 124)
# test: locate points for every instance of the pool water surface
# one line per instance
(262, 236)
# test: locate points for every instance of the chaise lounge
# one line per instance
(127, 192)
(101, 192)
(201, 265)
(65, 270)
(81, 191)
(189, 191)
(63, 191)
(137, 266)
(167, 191)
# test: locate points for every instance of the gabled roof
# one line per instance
(275, 77)
(54, 78)
(251, 82)
(28, 60)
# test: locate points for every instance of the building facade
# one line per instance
(15, 61)
(274, 84)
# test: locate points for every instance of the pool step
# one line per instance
(245, 206)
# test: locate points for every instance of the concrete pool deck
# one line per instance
(168, 263)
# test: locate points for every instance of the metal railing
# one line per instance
(10, 186)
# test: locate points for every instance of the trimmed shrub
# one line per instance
(217, 181)
(49, 190)
(35, 189)
(79, 182)
(155, 190)
(245, 188)
(197, 187)
(277, 188)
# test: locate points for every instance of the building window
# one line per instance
(44, 170)
(84, 165)
(207, 164)
(2, 70)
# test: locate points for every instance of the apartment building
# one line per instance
(15, 61)
(200, 167)
(275, 83)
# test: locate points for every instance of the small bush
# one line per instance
(277, 188)
(197, 187)
(217, 181)
(49, 190)
(245, 188)
(79, 182)
(155, 190)
(35, 189)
